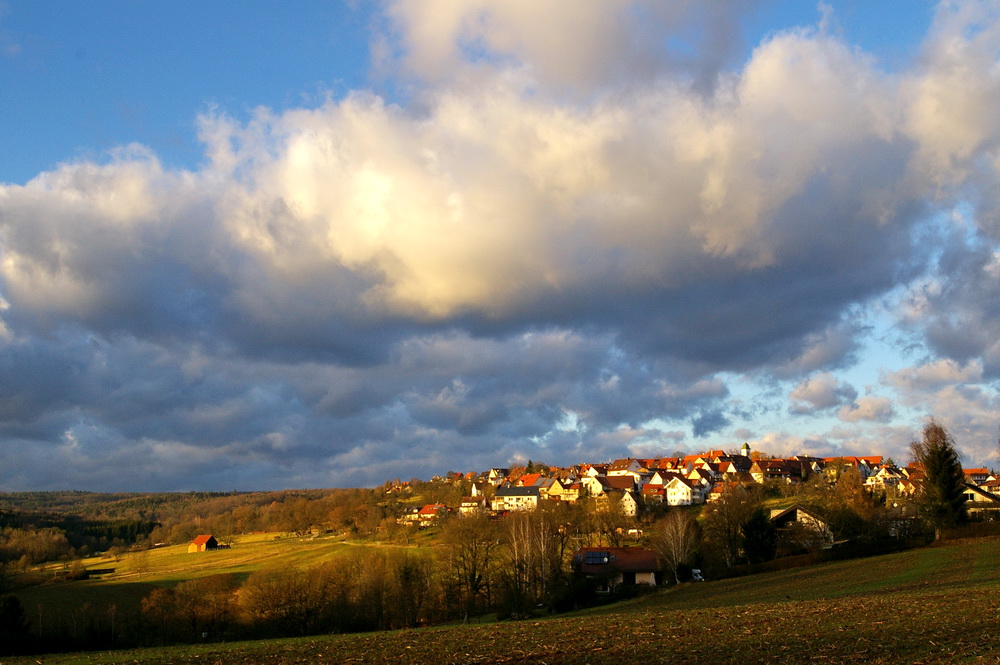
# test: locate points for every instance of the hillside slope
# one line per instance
(938, 604)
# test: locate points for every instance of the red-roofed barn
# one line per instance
(203, 542)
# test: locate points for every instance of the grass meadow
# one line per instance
(938, 604)
(136, 574)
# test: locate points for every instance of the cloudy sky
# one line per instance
(243, 248)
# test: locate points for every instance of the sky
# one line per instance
(243, 248)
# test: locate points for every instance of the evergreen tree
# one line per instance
(760, 538)
(942, 499)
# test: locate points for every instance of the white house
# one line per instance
(683, 492)
(515, 498)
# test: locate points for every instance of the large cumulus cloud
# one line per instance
(537, 250)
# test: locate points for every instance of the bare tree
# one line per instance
(724, 520)
(207, 604)
(160, 609)
(413, 576)
(473, 556)
(611, 522)
(516, 575)
(676, 540)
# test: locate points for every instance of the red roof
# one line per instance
(870, 460)
(528, 479)
(616, 559)
(203, 539)
(617, 482)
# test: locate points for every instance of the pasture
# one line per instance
(138, 573)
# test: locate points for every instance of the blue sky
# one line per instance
(326, 246)
(83, 78)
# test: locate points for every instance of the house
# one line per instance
(515, 498)
(976, 476)
(430, 513)
(472, 505)
(627, 502)
(991, 486)
(734, 464)
(544, 486)
(723, 488)
(776, 469)
(813, 464)
(805, 529)
(886, 477)
(759, 471)
(701, 476)
(680, 491)
(497, 475)
(782, 516)
(528, 480)
(571, 492)
(619, 483)
(910, 486)
(866, 466)
(590, 486)
(614, 496)
(664, 464)
(557, 490)
(662, 477)
(625, 467)
(203, 543)
(902, 521)
(981, 503)
(410, 518)
(652, 494)
(617, 566)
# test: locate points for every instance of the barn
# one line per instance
(202, 543)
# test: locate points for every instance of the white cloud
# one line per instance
(822, 391)
(598, 43)
(496, 197)
(869, 408)
(952, 101)
(937, 374)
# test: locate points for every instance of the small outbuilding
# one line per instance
(202, 543)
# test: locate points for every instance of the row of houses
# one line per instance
(681, 481)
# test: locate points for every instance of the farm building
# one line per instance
(202, 543)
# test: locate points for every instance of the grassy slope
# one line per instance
(938, 604)
(135, 577)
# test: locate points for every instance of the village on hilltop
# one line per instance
(634, 484)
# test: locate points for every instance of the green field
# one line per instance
(933, 605)
(135, 575)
